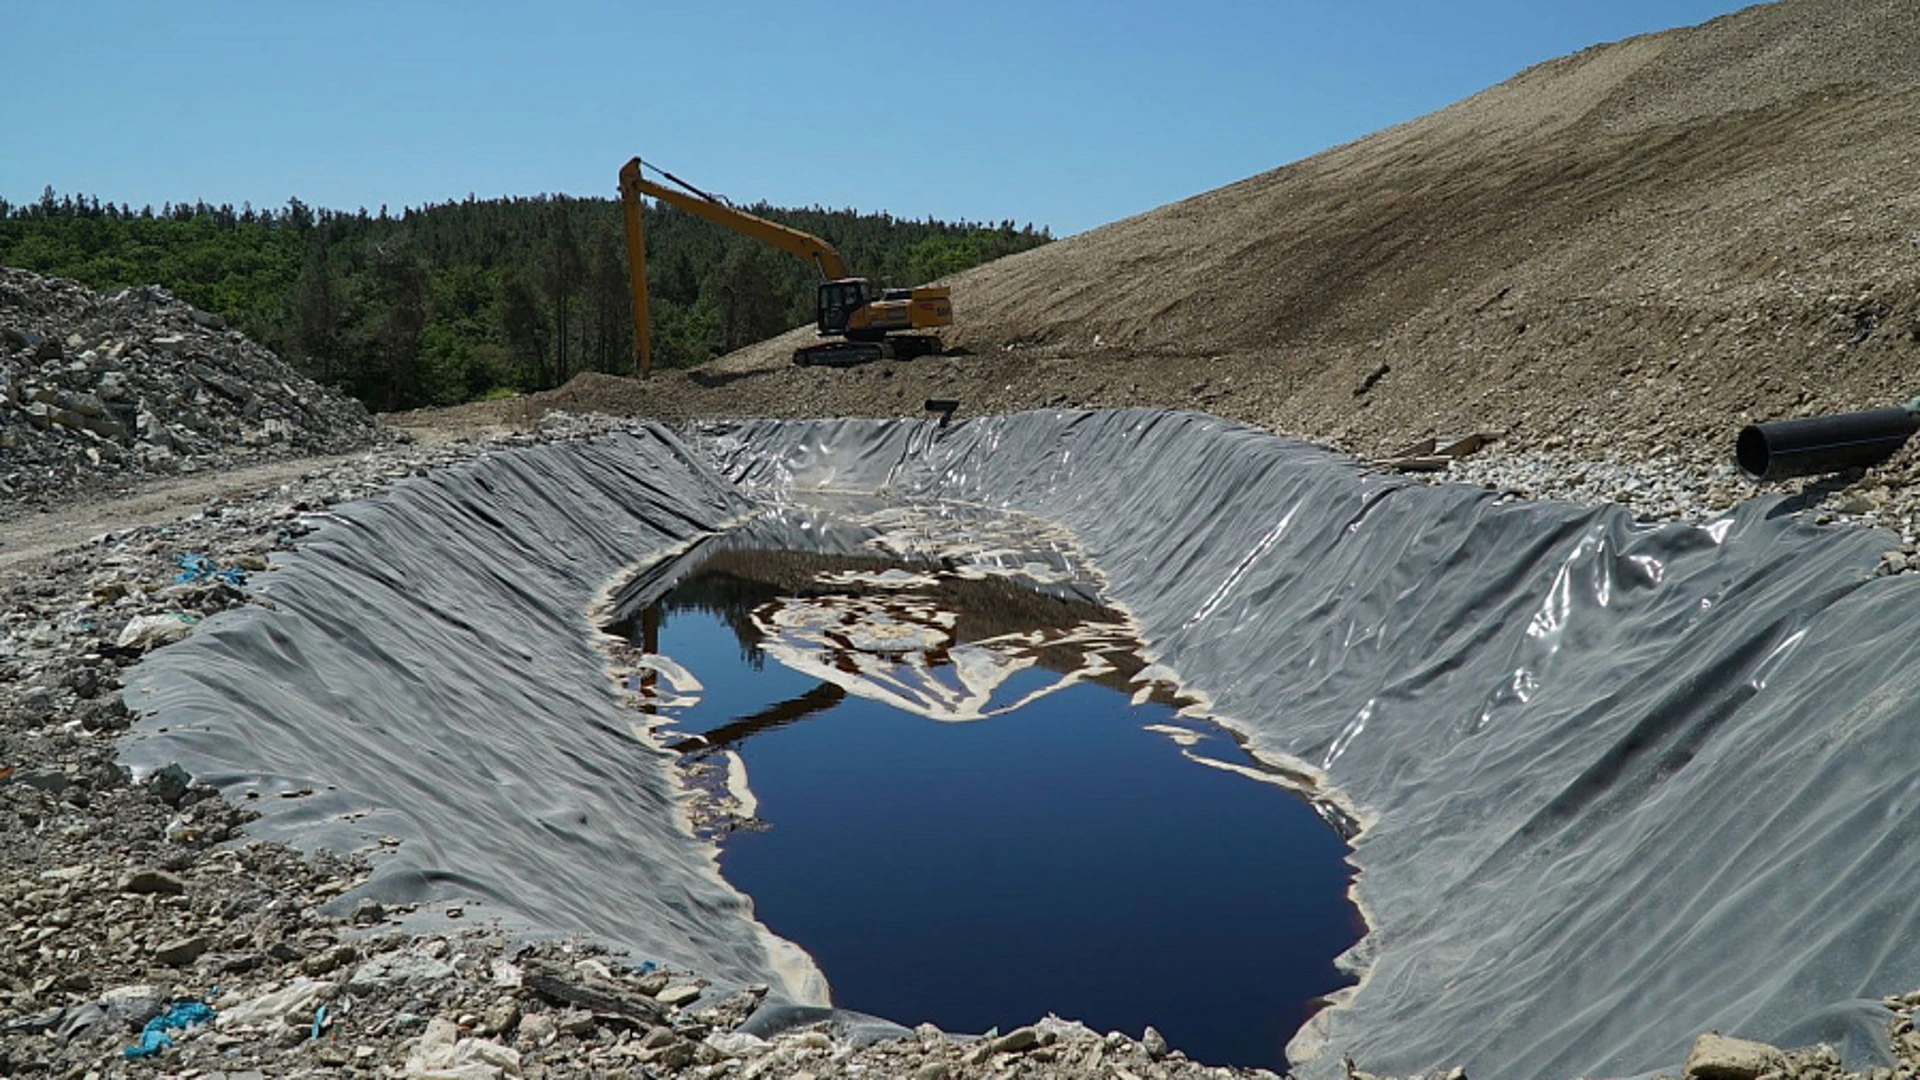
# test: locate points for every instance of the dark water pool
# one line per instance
(966, 814)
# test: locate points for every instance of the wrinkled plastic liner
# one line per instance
(429, 673)
(1619, 783)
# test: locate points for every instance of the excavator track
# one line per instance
(840, 354)
(853, 353)
(908, 346)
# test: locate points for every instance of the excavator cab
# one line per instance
(876, 323)
(837, 302)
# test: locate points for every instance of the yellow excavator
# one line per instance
(869, 323)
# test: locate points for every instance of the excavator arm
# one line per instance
(801, 245)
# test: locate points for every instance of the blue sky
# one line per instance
(1067, 114)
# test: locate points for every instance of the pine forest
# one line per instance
(465, 300)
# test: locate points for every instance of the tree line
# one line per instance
(463, 300)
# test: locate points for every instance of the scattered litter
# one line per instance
(80, 1021)
(154, 1038)
(35, 1024)
(198, 569)
(153, 631)
(296, 1000)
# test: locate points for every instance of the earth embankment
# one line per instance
(1623, 254)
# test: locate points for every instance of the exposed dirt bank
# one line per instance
(1616, 259)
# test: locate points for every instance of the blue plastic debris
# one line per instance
(154, 1038)
(319, 1021)
(195, 569)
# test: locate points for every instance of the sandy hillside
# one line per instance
(1638, 247)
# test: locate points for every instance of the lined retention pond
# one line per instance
(967, 797)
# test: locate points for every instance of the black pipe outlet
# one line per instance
(1822, 444)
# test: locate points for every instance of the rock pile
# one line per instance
(95, 386)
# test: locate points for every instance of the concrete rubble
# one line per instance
(95, 387)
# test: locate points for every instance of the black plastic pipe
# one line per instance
(1822, 444)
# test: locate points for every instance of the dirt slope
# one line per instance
(1638, 247)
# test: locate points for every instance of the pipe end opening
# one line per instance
(1752, 453)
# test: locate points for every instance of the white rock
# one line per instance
(1719, 1057)
(810, 1040)
(539, 1029)
(133, 1005)
(442, 1055)
(678, 995)
(738, 1044)
(593, 969)
(409, 968)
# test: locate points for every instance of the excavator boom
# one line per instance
(802, 245)
(805, 246)
(876, 323)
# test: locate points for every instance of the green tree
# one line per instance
(524, 329)
(561, 282)
(459, 349)
(392, 336)
(315, 313)
(684, 336)
(611, 301)
(453, 300)
(939, 256)
(744, 291)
